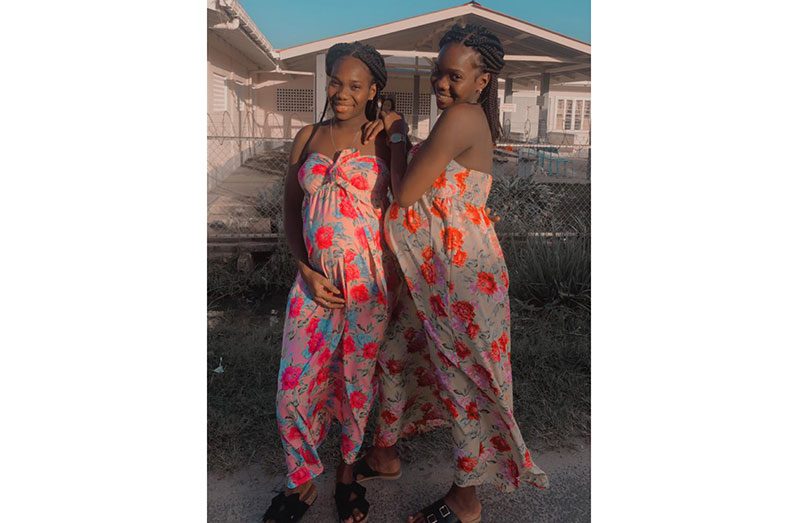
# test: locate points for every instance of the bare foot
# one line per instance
(345, 475)
(384, 460)
(460, 500)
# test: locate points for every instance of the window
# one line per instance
(572, 115)
(295, 100)
(218, 94)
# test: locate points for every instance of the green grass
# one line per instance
(551, 377)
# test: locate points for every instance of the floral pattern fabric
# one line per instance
(457, 279)
(329, 356)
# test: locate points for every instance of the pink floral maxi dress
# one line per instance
(329, 355)
(455, 271)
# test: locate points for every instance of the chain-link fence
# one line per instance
(539, 189)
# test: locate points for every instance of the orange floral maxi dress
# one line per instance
(457, 278)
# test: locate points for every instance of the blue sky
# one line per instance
(290, 22)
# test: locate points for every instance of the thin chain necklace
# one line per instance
(332, 139)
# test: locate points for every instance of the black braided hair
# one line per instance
(373, 60)
(491, 53)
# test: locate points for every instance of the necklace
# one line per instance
(332, 139)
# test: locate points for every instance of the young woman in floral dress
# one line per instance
(455, 271)
(338, 308)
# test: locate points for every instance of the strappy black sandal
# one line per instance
(366, 473)
(287, 509)
(346, 506)
(439, 512)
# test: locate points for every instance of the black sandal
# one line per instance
(439, 512)
(287, 509)
(347, 506)
(363, 469)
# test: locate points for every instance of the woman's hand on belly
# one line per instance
(323, 291)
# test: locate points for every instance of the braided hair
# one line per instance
(373, 60)
(491, 60)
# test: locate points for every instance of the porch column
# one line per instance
(433, 110)
(508, 98)
(320, 85)
(416, 82)
(543, 103)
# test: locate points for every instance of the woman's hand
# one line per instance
(393, 122)
(323, 291)
(372, 129)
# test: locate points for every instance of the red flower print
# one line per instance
(474, 214)
(347, 445)
(319, 169)
(463, 310)
(352, 272)
(357, 399)
(346, 208)
(312, 326)
(437, 305)
(296, 306)
(427, 270)
(324, 237)
(427, 253)
(452, 408)
(462, 349)
(291, 377)
(485, 283)
(499, 444)
(424, 378)
(460, 258)
(349, 255)
(308, 456)
(528, 459)
(349, 345)
(452, 238)
(412, 220)
(316, 342)
(512, 468)
(395, 366)
(393, 212)
(466, 464)
(300, 476)
(495, 352)
(324, 358)
(472, 410)
(461, 177)
(362, 240)
(485, 218)
(359, 293)
(482, 372)
(481, 448)
(505, 280)
(388, 416)
(323, 375)
(440, 181)
(503, 341)
(293, 434)
(473, 330)
(359, 182)
(417, 344)
(426, 407)
(370, 350)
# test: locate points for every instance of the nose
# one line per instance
(439, 83)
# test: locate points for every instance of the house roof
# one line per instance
(529, 49)
(247, 38)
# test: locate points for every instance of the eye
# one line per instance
(355, 87)
(457, 77)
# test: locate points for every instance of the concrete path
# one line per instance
(244, 496)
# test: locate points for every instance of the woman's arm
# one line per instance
(292, 200)
(453, 134)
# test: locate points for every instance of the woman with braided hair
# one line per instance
(335, 195)
(453, 264)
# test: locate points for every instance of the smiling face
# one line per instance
(350, 87)
(457, 76)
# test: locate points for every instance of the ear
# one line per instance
(483, 80)
(372, 91)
